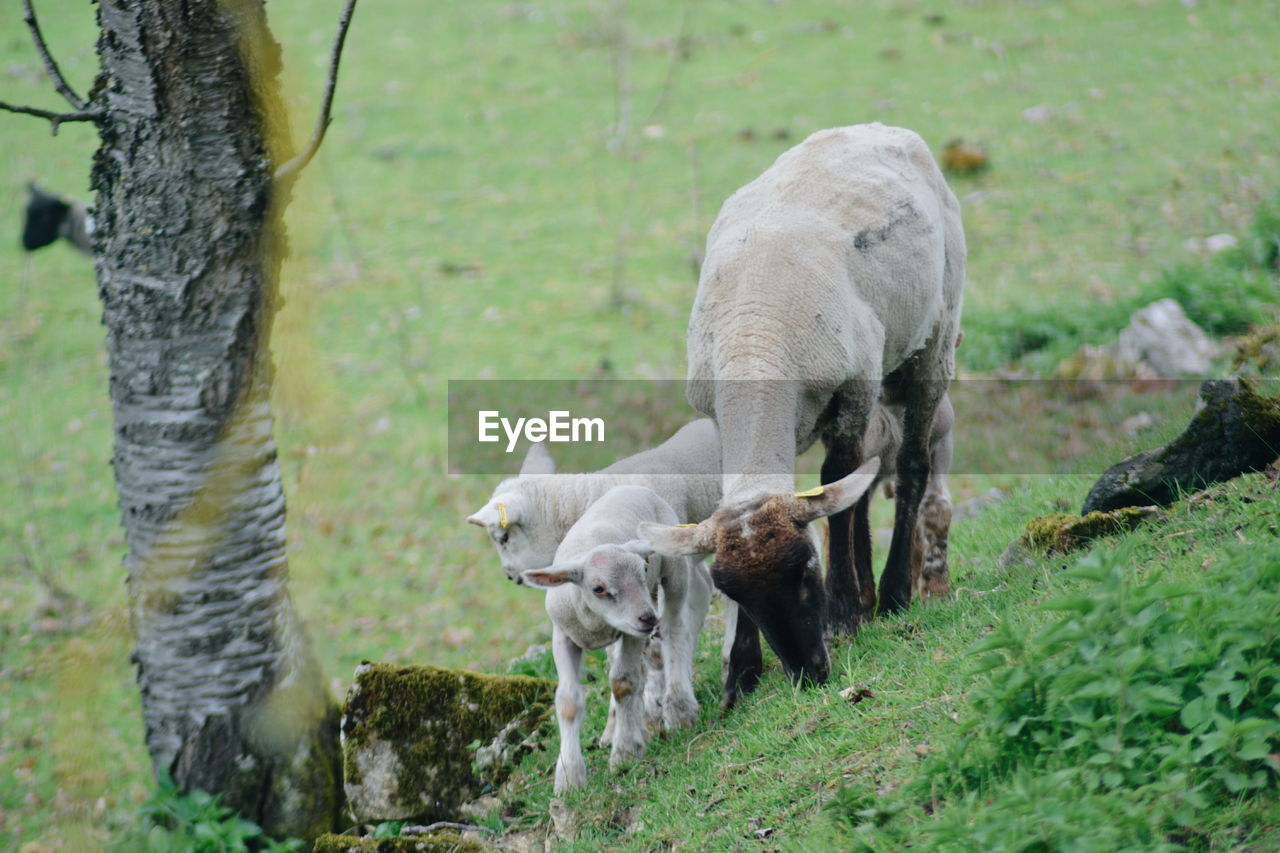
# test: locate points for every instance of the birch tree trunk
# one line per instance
(189, 241)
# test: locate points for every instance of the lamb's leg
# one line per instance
(743, 660)
(920, 398)
(571, 770)
(626, 681)
(851, 595)
(606, 736)
(685, 601)
(655, 682)
(934, 580)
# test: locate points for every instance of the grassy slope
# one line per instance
(477, 135)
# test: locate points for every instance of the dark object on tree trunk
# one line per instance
(1234, 430)
(418, 741)
(48, 217)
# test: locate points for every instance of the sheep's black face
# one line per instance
(44, 218)
(766, 561)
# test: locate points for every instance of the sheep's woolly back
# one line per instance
(838, 263)
(613, 519)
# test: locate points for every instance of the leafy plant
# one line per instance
(195, 822)
(1138, 682)
(389, 829)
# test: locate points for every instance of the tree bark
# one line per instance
(189, 241)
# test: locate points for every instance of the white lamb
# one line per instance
(529, 514)
(602, 589)
(831, 282)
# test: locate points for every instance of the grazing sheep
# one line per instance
(831, 281)
(602, 590)
(49, 217)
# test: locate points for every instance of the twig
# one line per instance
(55, 119)
(669, 80)
(302, 158)
(29, 15)
(444, 824)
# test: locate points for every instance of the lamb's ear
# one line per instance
(553, 576)
(537, 460)
(837, 496)
(486, 516)
(680, 541)
(639, 547)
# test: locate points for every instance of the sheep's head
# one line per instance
(766, 559)
(510, 521)
(614, 582)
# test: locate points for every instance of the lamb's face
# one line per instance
(617, 591)
(613, 580)
(766, 559)
(521, 542)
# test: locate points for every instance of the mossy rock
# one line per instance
(1235, 430)
(420, 741)
(1060, 532)
(1257, 353)
(433, 842)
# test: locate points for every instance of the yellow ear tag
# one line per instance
(686, 525)
(502, 516)
(811, 493)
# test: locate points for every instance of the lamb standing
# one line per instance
(601, 590)
(528, 515)
(831, 281)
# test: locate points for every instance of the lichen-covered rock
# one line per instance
(1060, 532)
(1234, 430)
(420, 741)
(433, 842)
(1257, 353)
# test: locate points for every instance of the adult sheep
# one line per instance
(831, 282)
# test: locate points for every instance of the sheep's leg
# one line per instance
(920, 398)
(743, 660)
(851, 594)
(685, 601)
(571, 770)
(934, 580)
(655, 682)
(611, 721)
(626, 681)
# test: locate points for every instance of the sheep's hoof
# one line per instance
(569, 775)
(680, 712)
(624, 756)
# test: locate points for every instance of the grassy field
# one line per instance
(514, 191)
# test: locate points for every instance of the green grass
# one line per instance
(464, 221)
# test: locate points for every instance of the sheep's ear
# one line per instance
(680, 541)
(486, 516)
(838, 496)
(639, 547)
(538, 460)
(553, 576)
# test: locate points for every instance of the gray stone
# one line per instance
(1162, 336)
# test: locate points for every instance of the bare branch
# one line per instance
(302, 158)
(29, 15)
(444, 824)
(54, 118)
